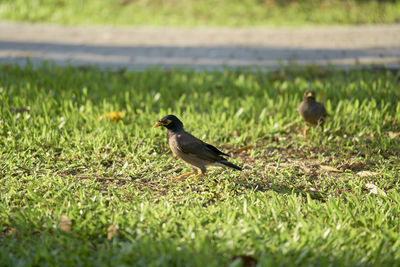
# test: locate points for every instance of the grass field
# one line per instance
(80, 189)
(202, 13)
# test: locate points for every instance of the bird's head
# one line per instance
(309, 95)
(171, 122)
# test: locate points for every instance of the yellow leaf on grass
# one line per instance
(329, 168)
(65, 223)
(375, 190)
(113, 115)
(112, 232)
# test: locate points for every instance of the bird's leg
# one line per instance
(322, 127)
(321, 122)
(197, 175)
(202, 172)
(180, 177)
(305, 130)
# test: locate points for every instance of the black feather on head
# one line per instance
(309, 95)
(171, 122)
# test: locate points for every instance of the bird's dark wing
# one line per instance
(191, 145)
(216, 150)
(322, 110)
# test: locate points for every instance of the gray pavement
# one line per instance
(200, 48)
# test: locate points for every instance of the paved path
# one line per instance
(201, 48)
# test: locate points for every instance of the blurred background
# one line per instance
(205, 34)
(202, 12)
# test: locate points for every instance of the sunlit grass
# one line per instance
(58, 158)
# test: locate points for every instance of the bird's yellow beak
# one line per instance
(161, 123)
(158, 123)
(310, 94)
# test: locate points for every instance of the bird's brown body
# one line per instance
(190, 149)
(312, 112)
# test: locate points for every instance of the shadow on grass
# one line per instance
(57, 247)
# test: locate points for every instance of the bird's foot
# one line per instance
(194, 179)
(180, 177)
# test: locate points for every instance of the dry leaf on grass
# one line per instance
(113, 116)
(329, 168)
(367, 173)
(65, 223)
(241, 149)
(357, 166)
(112, 232)
(394, 134)
(10, 231)
(375, 190)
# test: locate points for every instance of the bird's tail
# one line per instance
(231, 165)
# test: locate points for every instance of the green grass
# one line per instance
(202, 13)
(58, 159)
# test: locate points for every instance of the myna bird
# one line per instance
(191, 149)
(311, 111)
